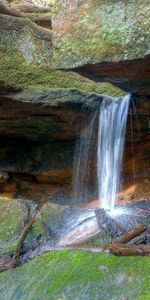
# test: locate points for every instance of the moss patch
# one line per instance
(18, 74)
(81, 275)
(10, 220)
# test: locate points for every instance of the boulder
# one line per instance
(104, 41)
(25, 40)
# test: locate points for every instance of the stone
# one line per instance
(23, 38)
(107, 29)
(114, 48)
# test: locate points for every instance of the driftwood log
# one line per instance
(22, 237)
(6, 262)
(131, 234)
(124, 243)
(116, 249)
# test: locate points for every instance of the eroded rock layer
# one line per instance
(38, 135)
(40, 118)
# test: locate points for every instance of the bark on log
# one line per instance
(129, 235)
(23, 237)
(105, 222)
(140, 239)
(134, 250)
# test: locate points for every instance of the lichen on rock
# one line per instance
(95, 31)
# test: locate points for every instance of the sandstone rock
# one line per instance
(38, 140)
(38, 133)
(56, 176)
(99, 39)
(89, 32)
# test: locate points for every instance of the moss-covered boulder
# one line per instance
(100, 31)
(25, 40)
(78, 275)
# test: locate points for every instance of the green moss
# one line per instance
(107, 29)
(49, 213)
(78, 275)
(15, 72)
(40, 14)
(9, 248)
(15, 3)
(10, 220)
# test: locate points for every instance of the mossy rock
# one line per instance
(29, 42)
(78, 275)
(24, 76)
(26, 60)
(11, 219)
(14, 213)
(49, 214)
(97, 31)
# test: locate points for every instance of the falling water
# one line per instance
(85, 160)
(99, 152)
(111, 136)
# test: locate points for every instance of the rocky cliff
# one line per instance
(98, 47)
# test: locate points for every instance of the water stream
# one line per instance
(111, 137)
(99, 152)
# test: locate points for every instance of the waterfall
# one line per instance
(85, 160)
(99, 152)
(111, 137)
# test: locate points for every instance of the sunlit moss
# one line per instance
(78, 275)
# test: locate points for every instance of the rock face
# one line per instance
(41, 118)
(88, 31)
(116, 41)
(38, 139)
(23, 39)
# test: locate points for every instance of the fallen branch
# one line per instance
(131, 234)
(134, 250)
(116, 249)
(22, 238)
(140, 239)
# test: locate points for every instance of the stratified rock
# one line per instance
(41, 118)
(38, 139)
